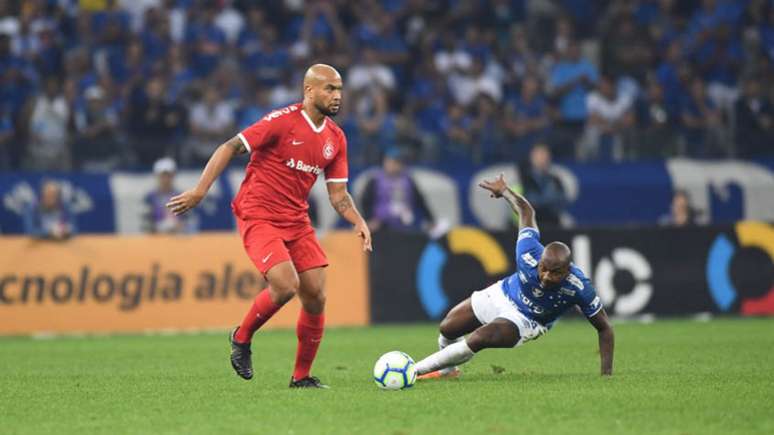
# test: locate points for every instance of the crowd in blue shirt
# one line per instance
(121, 83)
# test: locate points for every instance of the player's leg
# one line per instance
(310, 326)
(481, 308)
(283, 284)
(459, 321)
(497, 333)
(267, 251)
(310, 261)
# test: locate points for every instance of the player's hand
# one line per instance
(364, 233)
(185, 201)
(496, 187)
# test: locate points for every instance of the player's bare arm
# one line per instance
(499, 189)
(215, 166)
(606, 341)
(342, 202)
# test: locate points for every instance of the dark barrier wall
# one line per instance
(636, 271)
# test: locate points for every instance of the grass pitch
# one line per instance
(671, 377)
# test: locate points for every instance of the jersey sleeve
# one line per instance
(528, 248)
(260, 134)
(338, 170)
(588, 301)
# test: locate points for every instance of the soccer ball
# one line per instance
(394, 371)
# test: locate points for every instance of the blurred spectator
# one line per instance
(569, 83)
(654, 120)
(467, 85)
(719, 60)
(48, 147)
(7, 136)
(373, 126)
(456, 77)
(156, 217)
(541, 187)
(627, 50)
(451, 56)
(50, 217)
(254, 107)
(754, 122)
(212, 121)
(96, 145)
(526, 118)
(702, 122)
(369, 72)
(153, 123)
(391, 198)
(457, 126)
(682, 213)
(206, 41)
(610, 115)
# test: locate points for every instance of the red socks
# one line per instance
(309, 331)
(261, 311)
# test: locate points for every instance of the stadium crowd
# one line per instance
(105, 84)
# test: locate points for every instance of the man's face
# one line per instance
(326, 96)
(551, 275)
(392, 166)
(166, 181)
(50, 196)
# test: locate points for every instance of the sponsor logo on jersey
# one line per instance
(299, 165)
(537, 292)
(530, 260)
(522, 277)
(279, 112)
(575, 281)
(328, 150)
(537, 309)
(595, 303)
(567, 291)
(526, 234)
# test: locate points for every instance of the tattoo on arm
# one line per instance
(344, 204)
(520, 205)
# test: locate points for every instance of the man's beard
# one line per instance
(326, 111)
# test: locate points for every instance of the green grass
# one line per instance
(671, 377)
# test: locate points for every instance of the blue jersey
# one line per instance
(541, 304)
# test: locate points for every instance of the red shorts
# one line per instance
(268, 245)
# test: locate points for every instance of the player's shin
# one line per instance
(261, 311)
(442, 343)
(309, 330)
(450, 356)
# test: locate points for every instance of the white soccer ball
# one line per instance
(394, 371)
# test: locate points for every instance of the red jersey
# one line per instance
(288, 152)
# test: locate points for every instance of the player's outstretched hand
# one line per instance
(496, 187)
(185, 201)
(364, 233)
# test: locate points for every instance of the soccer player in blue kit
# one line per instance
(521, 307)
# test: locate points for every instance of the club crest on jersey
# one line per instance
(537, 292)
(328, 150)
(299, 165)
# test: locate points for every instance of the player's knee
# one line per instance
(492, 336)
(446, 328)
(284, 290)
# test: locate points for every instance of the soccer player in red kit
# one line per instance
(289, 148)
